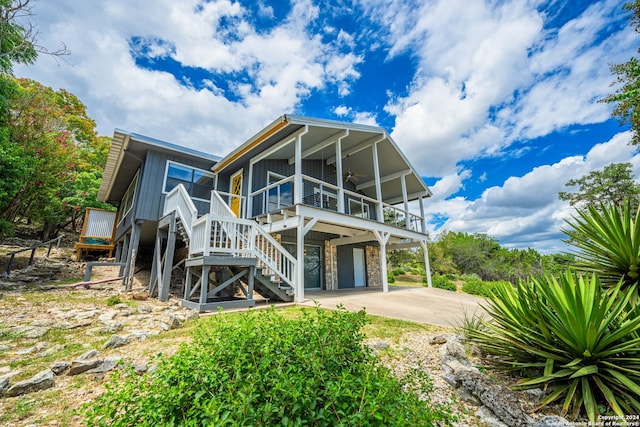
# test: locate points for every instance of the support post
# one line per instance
(204, 284)
(339, 180)
(382, 239)
(407, 218)
(300, 260)
(165, 284)
(376, 173)
(298, 189)
(423, 221)
(427, 266)
(249, 211)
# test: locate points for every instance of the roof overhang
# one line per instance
(318, 143)
(127, 151)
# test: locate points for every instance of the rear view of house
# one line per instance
(303, 204)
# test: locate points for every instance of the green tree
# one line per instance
(612, 185)
(56, 157)
(18, 36)
(627, 97)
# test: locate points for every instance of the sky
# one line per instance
(494, 102)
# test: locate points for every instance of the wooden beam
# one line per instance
(226, 283)
(383, 179)
(359, 238)
(362, 146)
(321, 145)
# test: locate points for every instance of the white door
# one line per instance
(359, 272)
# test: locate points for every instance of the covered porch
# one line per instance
(348, 183)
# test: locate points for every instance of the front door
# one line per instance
(236, 192)
(312, 264)
(359, 268)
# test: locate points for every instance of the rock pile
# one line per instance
(498, 406)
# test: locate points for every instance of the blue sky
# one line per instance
(494, 102)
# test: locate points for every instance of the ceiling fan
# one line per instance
(352, 176)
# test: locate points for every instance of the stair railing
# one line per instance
(242, 238)
(178, 200)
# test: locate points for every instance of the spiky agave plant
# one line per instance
(577, 341)
(608, 244)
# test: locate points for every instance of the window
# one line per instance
(325, 198)
(197, 182)
(281, 195)
(358, 208)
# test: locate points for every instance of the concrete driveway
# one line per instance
(416, 304)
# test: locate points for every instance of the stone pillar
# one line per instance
(372, 256)
(330, 266)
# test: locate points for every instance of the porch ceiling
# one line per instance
(319, 144)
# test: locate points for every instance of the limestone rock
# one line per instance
(116, 341)
(60, 367)
(111, 328)
(41, 381)
(499, 399)
(88, 355)
(107, 316)
(36, 332)
(4, 384)
(438, 339)
(108, 364)
(80, 366)
(488, 418)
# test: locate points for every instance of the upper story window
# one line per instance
(197, 182)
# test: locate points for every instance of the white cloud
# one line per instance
(491, 73)
(276, 69)
(525, 211)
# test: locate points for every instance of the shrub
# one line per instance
(570, 336)
(391, 278)
(260, 368)
(113, 300)
(398, 271)
(6, 229)
(475, 286)
(441, 282)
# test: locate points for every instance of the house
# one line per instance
(305, 203)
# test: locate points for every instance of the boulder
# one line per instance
(81, 366)
(116, 341)
(499, 399)
(109, 364)
(60, 367)
(41, 381)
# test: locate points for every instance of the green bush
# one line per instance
(475, 286)
(398, 271)
(113, 300)
(569, 336)
(441, 282)
(6, 229)
(391, 278)
(262, 368)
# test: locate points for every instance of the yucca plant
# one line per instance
(569, 336)
(608, 244)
